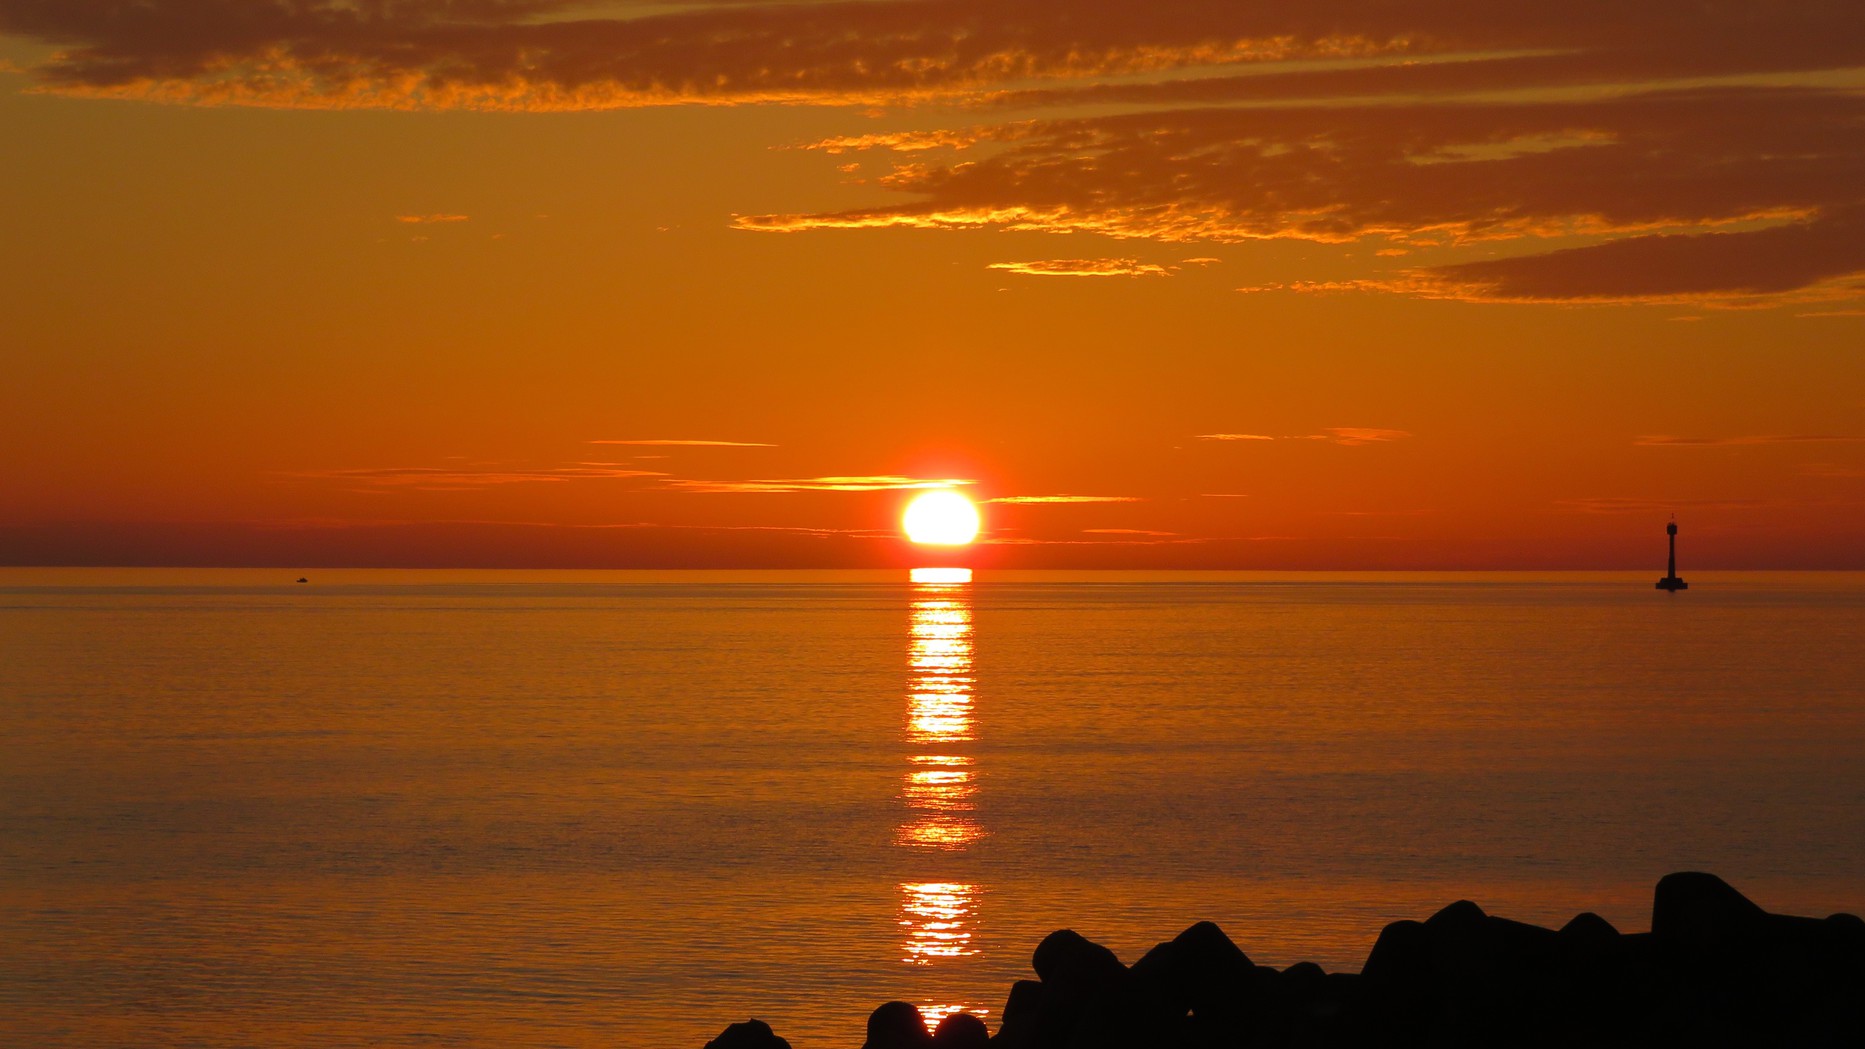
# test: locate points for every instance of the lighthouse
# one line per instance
(1670, 581)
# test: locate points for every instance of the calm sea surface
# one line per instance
(621, 809)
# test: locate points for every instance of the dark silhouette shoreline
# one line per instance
(1715, 970)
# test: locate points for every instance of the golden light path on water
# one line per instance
(938, 919)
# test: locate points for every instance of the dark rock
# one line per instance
(1304, 974)
(1463, 977)
(1074, 964)
(1401, 955)
(961, 1031)
(1022, 1015)
(1301, 992)
(1091, 1001)
(897, 1025)
(1716, 970)
(1844, 936)
(1461, 916)
(1696, 911)
(1200, 970)
(752, 1034)
(1589, 930)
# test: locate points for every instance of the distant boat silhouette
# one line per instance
(1670, 581)
(301, 579)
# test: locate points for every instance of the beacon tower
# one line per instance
(1670, 581)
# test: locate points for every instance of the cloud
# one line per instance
(356, 523)
(1127, 531)
(1026, 500)
(1824, 256)
(551, 55)
(1668, 441)
(1351, 435)
(1664, 151)
(1084, 268)
(662, 443)
(1833, 470)
(1407, 172)
(896, 141)
(863, 483)
(1143, 539)
(570, 54)
(420, 220)
(1222, 495)
(1344, 435)
(450, 478)
(1738, 193)
(1634, 505)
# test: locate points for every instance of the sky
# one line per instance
(1177, 284)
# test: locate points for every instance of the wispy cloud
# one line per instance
(1109, 540)
(1835, 471)
(457, 478)
(1668, 441)
(1739, 193)
(1817, 257)
(896, 141)
(1345, 435)
(1636, 505)
(1084, 268)
(646, 526)
(424, 220)
(1024, 500)
(1662, 151)
(1351, 435)
(562, 55)
(669, 443)
(860, 483)
(1127, 531)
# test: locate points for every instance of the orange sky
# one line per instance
(536, 283)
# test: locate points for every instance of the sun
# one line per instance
(941, 518)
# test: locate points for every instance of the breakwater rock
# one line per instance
(1715, 970)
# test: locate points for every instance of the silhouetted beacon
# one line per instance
(1670, 581)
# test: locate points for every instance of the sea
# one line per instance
(619, 809)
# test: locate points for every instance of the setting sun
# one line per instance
(941, 518)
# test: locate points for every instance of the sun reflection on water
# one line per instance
(939, 788)
(939, 919)
(936, 917)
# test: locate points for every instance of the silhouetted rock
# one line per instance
(1589, 929)
(1091, 1001)
(1022, 1014)
(961, 1031)
(1716, 970)
(752, 1034)
(1198, 971)
(897, 1025)
(1073, 964)
(1400, 955)
(1462, 916)
(1844, 940)
(1696, 911)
